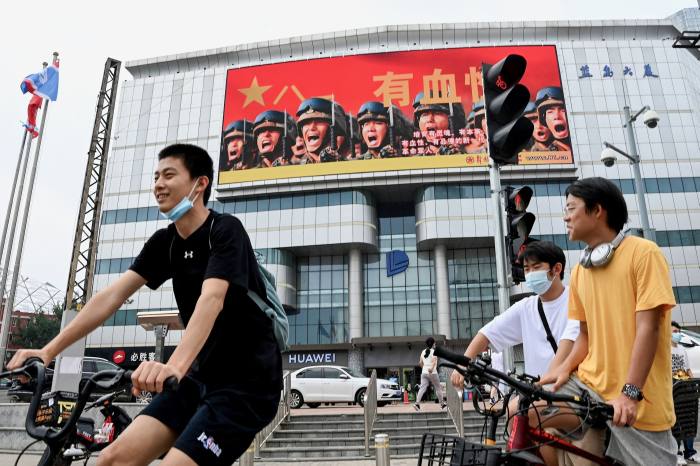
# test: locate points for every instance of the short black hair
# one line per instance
(545, 251)
(601, 191)
(430, 342)
(195, 159)
(676, 324)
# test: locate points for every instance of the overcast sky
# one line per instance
(86, 33)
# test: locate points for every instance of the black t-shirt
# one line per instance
(241, 351)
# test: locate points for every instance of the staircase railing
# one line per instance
(370, 408)
(455, 407)
(281, 416)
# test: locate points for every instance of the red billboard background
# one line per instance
(395, 77)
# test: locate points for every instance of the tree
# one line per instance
(40, 329)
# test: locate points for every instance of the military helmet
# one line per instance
(239, 129)
(274, 119)
(547, 97)
(317, 108)
(530, 108)
(479, 113)
(457, 118)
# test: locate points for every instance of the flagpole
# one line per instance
(20, 244)
(12, 197)
(7, 314)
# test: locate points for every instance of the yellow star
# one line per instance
(254, 93)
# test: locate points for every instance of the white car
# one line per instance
(314, 385)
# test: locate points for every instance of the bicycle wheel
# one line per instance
(59, 460)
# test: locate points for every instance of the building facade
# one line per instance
(331, 240)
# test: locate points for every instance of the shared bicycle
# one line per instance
(522, 440)
(56, 417)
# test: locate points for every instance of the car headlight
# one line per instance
(385, 386)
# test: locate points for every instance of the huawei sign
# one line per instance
(119, 356)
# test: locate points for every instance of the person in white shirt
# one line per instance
(429, 375)
(544, 264)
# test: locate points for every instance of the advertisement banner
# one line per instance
(380, 112)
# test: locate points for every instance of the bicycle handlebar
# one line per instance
(477, 370)
(34, 367)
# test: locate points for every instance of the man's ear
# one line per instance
(557, 269)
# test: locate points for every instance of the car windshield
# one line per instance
(352, 372)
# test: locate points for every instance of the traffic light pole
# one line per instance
(499, 244)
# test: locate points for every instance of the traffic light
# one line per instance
(520, 223)
(508, 130)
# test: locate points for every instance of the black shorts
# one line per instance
(215, 426)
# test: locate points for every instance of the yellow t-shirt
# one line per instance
(607, 298)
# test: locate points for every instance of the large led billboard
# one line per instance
(378, 112)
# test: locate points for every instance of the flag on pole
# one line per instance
(32, 110)
(44, 84)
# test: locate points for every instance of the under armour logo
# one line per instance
(189, 254)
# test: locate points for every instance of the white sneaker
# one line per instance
(681, 460)
(416, 406)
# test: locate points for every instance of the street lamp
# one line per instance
(609, 156)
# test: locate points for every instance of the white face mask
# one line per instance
(538, 281)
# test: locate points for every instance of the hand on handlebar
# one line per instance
(556, 377)
(21, 356)
(457, 380)
(625, 411)
(150, 376)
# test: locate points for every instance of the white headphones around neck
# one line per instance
(600, 255)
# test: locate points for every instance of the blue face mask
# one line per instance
(676, 337)
(538, 281)
(182, 207)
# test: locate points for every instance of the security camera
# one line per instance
(608, 157)
(650, 118)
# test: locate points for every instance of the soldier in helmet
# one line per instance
(238, 150)
(323, 125)
(382, 130)
(541, 135)
(552, 114)
(434, 118)
(298, 152)
(478, 133)
(275, 134)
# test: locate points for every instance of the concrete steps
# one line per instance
(341, 437)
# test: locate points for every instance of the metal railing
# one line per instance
(282, 414)
(370, 408)
(455, 407)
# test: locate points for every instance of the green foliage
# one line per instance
(40, 329)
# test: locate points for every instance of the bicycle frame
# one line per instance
(524, 437)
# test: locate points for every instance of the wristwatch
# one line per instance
(633, 392)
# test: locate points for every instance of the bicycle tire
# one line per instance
(58, 461)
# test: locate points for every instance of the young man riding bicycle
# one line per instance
(228, 362)
(621, 292)
(523, 322)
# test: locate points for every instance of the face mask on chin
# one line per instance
(538, 281)
(182, 207)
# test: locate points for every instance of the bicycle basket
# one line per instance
(445, 450)
(55, 408)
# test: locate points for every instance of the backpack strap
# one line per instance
(550, 337)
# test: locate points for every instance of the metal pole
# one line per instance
(638, 182)
(381, 449)
(10, 201)
(25, 214)
(5, 330)
(500, 249)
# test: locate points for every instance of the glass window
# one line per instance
(121, 216)
(332, 373)
(286, 203)
(676, 185)
(130, 215)
(310, 200)
(298, 202)
(664, 185)
(334, 198)
(89, 365)
(346, 197)
(688, 184)
(142, 214)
